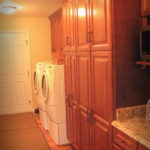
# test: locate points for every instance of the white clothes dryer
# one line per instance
(40, 67)
(54, 94)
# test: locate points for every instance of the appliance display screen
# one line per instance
(146, 42)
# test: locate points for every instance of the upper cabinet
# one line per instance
(100, 28)
(56, 30)
(145, 7)
(93, 25)
(69, 12)
(83, 25)
(86, 24)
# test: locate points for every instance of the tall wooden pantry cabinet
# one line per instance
(88, 73)
(101, 41)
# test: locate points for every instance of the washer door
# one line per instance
(35, 80)
(45, 87)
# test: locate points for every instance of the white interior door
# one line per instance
(15, 82)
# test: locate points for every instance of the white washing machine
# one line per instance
(54, 94)
(38, 74)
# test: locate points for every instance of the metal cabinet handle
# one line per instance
(90, 115)
(89, 36)
(69, 101)
(68, 40)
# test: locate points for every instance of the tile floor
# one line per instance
(50, 141)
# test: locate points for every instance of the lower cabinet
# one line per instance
(89, 99)
(101, 101)
(123, 142)
(71, 99)
(84, 98)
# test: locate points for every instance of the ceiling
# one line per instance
(34, 8)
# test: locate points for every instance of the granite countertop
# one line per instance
(135, 125)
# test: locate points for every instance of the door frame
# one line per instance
(28, 61)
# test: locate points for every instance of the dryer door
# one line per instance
(45, 87)
(35, 80)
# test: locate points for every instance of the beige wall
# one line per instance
(39, 32)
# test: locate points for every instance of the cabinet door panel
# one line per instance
(101, 99)
(72, 16)
(84, 132)
(100, 137)
(76, 135)
(74, 102)
(82, 25)
(145, 7)
(102, 84)
(65, 23)
(69, 25)
(72, 106)
(67, 93)
(84, 96)
(84, 80)
(100, 25)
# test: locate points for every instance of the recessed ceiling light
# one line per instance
(9, 8)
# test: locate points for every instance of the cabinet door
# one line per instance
(100, 25)
(83, 39)
(71, 98)
(67, 59)
(56, 30)
(101, 99)
(69, 25)
(145, 7)
(53, 34)
(84, 96)
(74, 102)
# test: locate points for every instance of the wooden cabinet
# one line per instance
(93, 25)
(123, 141)
(69, 13)
(84, 97)
(145, 7)
(141, 147)
(95, 99)
(100, 27)
(101, 99)
(91, 106)
(89, 109)
(56, 31)
(83, 25)
(71, 98)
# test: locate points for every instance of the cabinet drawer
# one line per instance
(123, 141)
